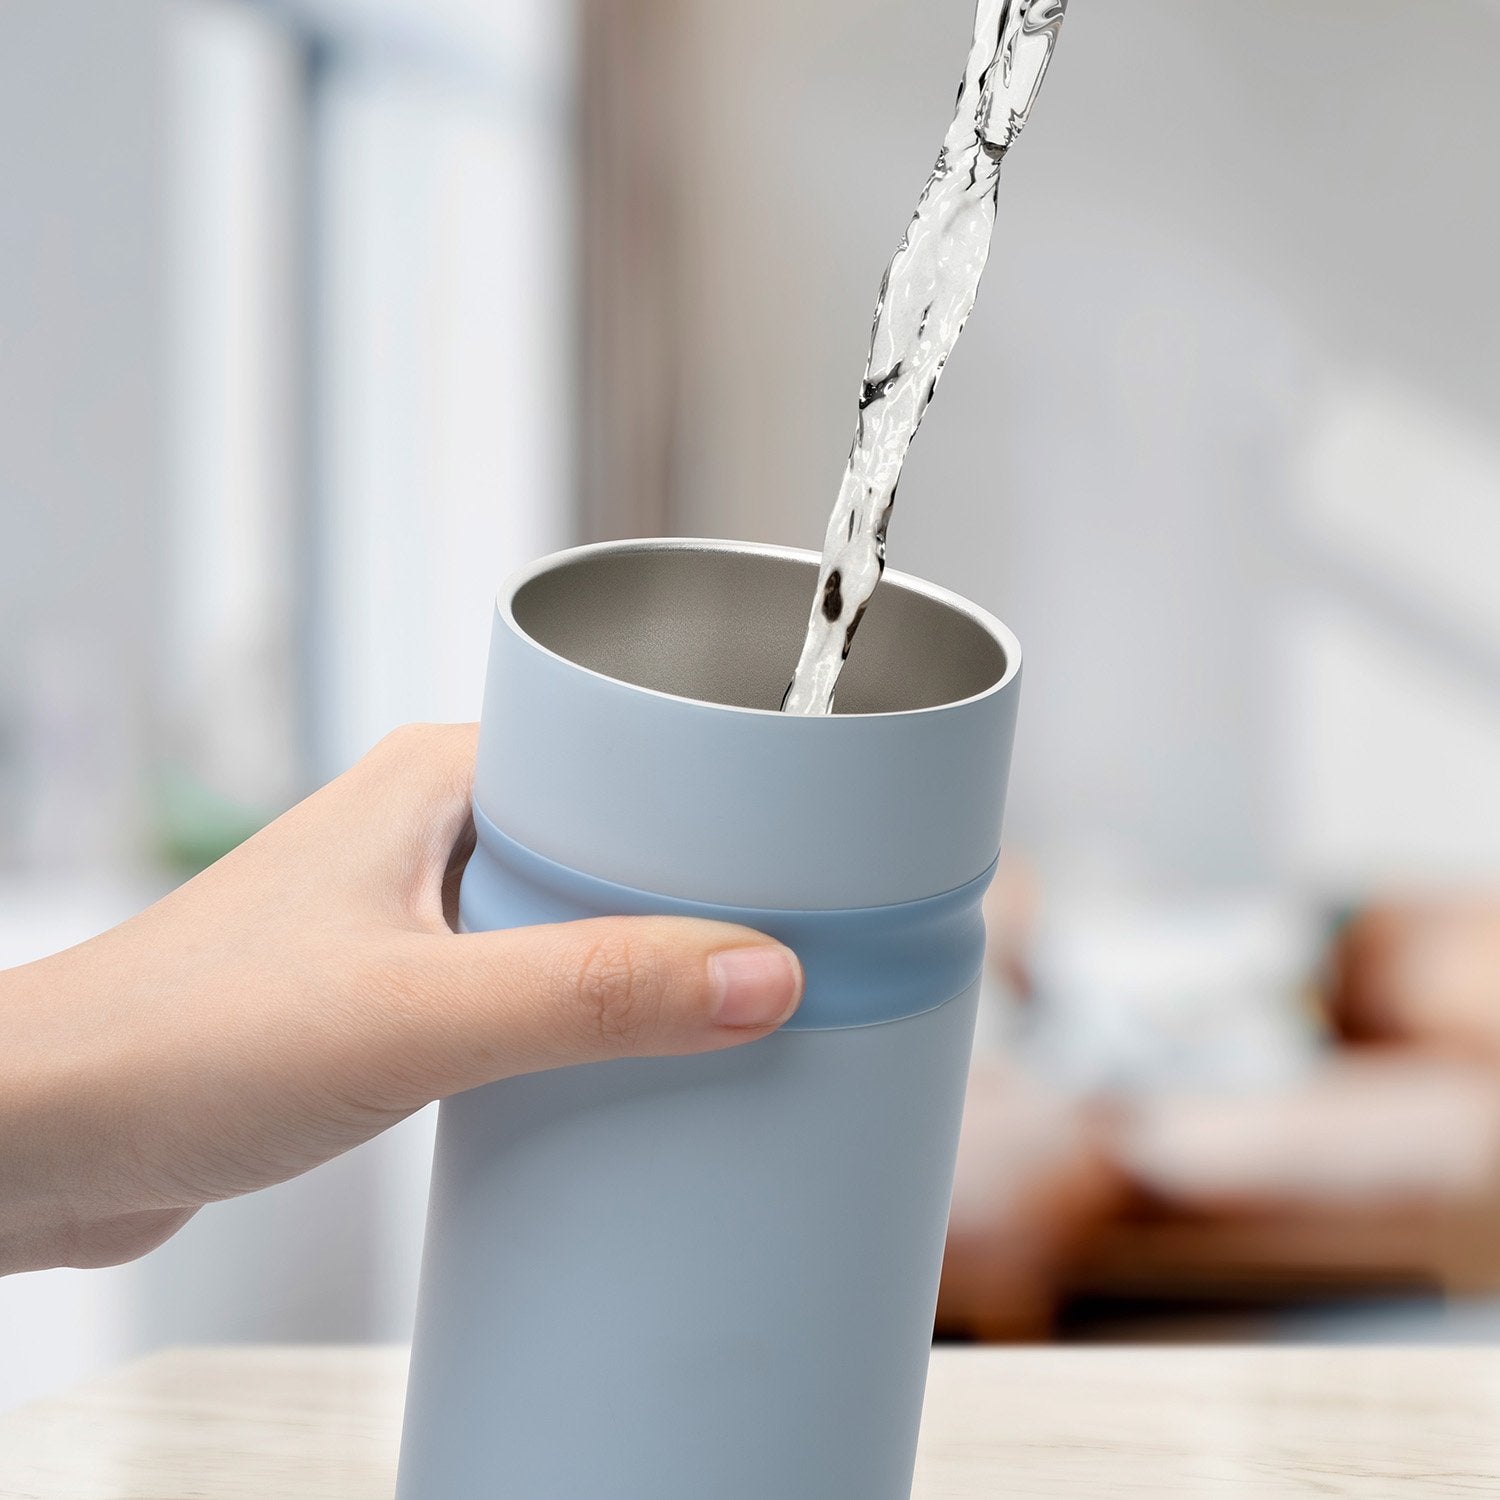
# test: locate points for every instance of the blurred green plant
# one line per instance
(193, 824)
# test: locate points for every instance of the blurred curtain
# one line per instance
(630, 212)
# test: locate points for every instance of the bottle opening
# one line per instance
(723, 624)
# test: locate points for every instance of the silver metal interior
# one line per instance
(725, 626)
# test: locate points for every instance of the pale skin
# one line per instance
(306, 993)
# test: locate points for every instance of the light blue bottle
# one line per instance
(713, 1278)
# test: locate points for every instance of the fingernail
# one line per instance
(757, 986)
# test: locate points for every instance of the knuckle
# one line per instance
(618, 988)
(436, 753)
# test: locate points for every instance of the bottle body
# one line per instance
(688, 1277)
(712, 1275)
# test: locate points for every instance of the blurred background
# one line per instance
(317, 317)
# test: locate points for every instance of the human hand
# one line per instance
(307, 992)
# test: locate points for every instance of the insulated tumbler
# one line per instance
(713, 1277)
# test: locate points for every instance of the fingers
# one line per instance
(450, 1012)
(423, 764)
(373, 845)
(394, 830)
(424, 775)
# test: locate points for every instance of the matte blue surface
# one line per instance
(863, 966)
(710, 1277)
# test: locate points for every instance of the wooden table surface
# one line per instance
(322, 1424)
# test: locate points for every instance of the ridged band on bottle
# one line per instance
(863, 965)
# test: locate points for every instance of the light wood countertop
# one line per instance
(1002, 1424)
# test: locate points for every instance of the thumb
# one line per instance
(474, 1007)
